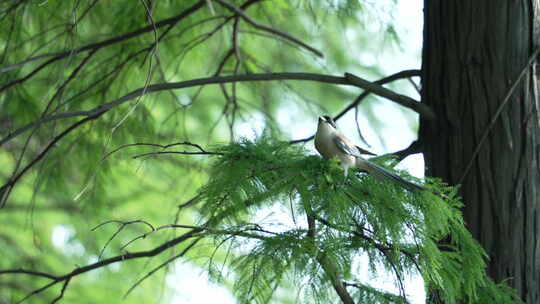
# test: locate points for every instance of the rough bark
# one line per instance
(473, 52)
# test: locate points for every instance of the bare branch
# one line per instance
(356, 102)
(213, 80)
(185, 143)
(29, 272)
(193, 232)
(102, 263)
(407, 74)
(176, 152)
(415, 147)
(167, 262)
(425, 111)
(262, 27)
(120, 228)
(61, 295)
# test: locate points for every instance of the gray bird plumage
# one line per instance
(331, 143)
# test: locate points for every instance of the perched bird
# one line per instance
(331, 143)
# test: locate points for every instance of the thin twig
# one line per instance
(190, 202)
(175, 152)
(29, 272)
(120, 228)
(262, 27)
(61, 295)
(167, 262)
(185, 143)
(123, 223)
(495, 117)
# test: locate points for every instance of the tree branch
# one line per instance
(356, 102)
(176, 152)
(383, 92)
(415, 147)
(94, 46)
(425, 111)
(329, 269)
(6, 188)
(29, 272)
(396, 76)
(102, 263)
(167, 262)
(195, 230)
(61, 295)
(276, 32)
(104, 108)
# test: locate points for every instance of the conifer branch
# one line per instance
(331, 272)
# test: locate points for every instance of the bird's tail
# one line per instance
(383, 175)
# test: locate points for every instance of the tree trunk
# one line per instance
(474, 51)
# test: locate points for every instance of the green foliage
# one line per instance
(406, 232)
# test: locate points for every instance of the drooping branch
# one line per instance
(6, 188)
(265, 28)
(97, 45)
(171, 22)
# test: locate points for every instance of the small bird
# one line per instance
(331, 143)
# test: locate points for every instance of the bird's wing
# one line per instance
(344, 146)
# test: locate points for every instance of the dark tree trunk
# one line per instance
(473, 53)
